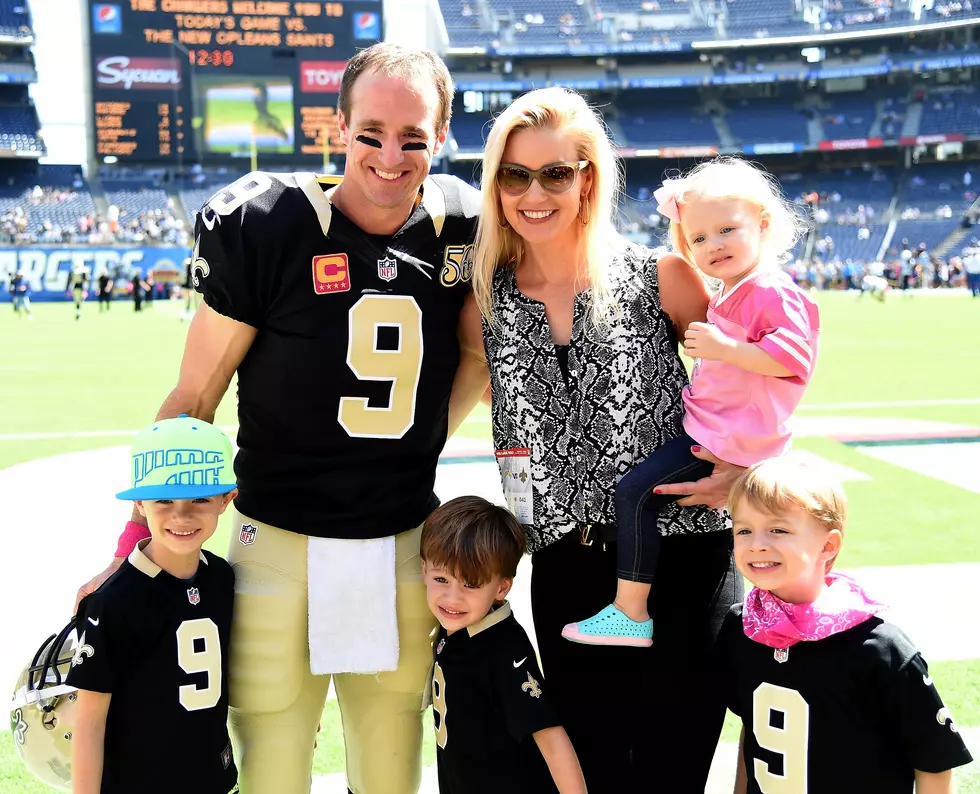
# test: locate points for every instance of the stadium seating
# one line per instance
(869, 188)
(951, 110)
(847, 116)
(747, 18)
(19, 129)
(651, 118)
(940, 184)
(47, 208)
(15, 19)
(134, 199)
(463, 23)
(766, 121)
(930, 232)
(849, 245)
(469, 129)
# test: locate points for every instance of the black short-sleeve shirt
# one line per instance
(853, 713)
(343, 397)
(159, 645)
(488, 698)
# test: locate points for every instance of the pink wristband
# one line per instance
(131, 535)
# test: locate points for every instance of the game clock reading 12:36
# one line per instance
(188, 80)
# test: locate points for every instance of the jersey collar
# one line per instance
(144, 564)
(433, 200)
(499, 615)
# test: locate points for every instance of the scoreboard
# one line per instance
(178, 81)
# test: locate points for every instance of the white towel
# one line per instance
(353, 623)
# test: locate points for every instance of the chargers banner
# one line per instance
(47, 269)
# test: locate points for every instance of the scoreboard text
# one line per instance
(188, 80)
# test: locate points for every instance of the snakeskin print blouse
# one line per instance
(622, 401)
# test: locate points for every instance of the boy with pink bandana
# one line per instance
(831, 697)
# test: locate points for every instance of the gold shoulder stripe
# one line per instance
(309, 183)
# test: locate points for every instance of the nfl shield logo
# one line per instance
(194, 596)
(781, 655)
(387, 269)
(247, 535)
(440, 646)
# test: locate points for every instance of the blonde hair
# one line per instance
(790, 482)
(737, 179)
(393, 60)
(566, 112)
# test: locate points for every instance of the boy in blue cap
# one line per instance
(151, 664)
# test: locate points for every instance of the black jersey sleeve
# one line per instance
(520, 690)
(929, 736)
(100, 656)
(235, 255)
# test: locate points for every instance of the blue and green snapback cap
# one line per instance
(182, 458)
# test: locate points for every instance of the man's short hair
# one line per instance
(473, 539)
(393, 60)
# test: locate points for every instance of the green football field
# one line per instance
(69, 386)
(232, 119)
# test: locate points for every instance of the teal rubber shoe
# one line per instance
(611, 626)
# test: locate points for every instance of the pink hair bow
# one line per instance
(666, 197)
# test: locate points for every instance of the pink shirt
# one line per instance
(741, 416)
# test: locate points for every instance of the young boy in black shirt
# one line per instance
(151, 665)
(495, 729)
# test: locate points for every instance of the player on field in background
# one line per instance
(753, 359)
(105, 291)
(151, 664)
(876, 286)
(138, 286)
(492, 716)
(20, 294)
(337, 305)
(78, 279)
(831, 697)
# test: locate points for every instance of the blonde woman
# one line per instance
(580, 331)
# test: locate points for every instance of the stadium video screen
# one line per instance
(208, 80)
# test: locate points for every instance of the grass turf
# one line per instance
(107, 374)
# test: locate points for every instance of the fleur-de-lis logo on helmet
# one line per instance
(18, 727)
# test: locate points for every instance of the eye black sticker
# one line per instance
(415, 146)
(368, 141)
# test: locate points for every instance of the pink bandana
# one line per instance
(770, 620)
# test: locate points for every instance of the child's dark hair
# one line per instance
(473, 540)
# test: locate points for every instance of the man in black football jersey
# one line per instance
(831, 697)
(78, 278)
(337, 305)
(151, 663)
(105, 291)
(495, 727)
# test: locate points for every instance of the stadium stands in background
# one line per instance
(876, 137)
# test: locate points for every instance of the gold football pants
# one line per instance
(276, 701)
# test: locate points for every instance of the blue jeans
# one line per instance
(973, 282)
(638, 508)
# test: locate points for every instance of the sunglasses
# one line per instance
(556, 178)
